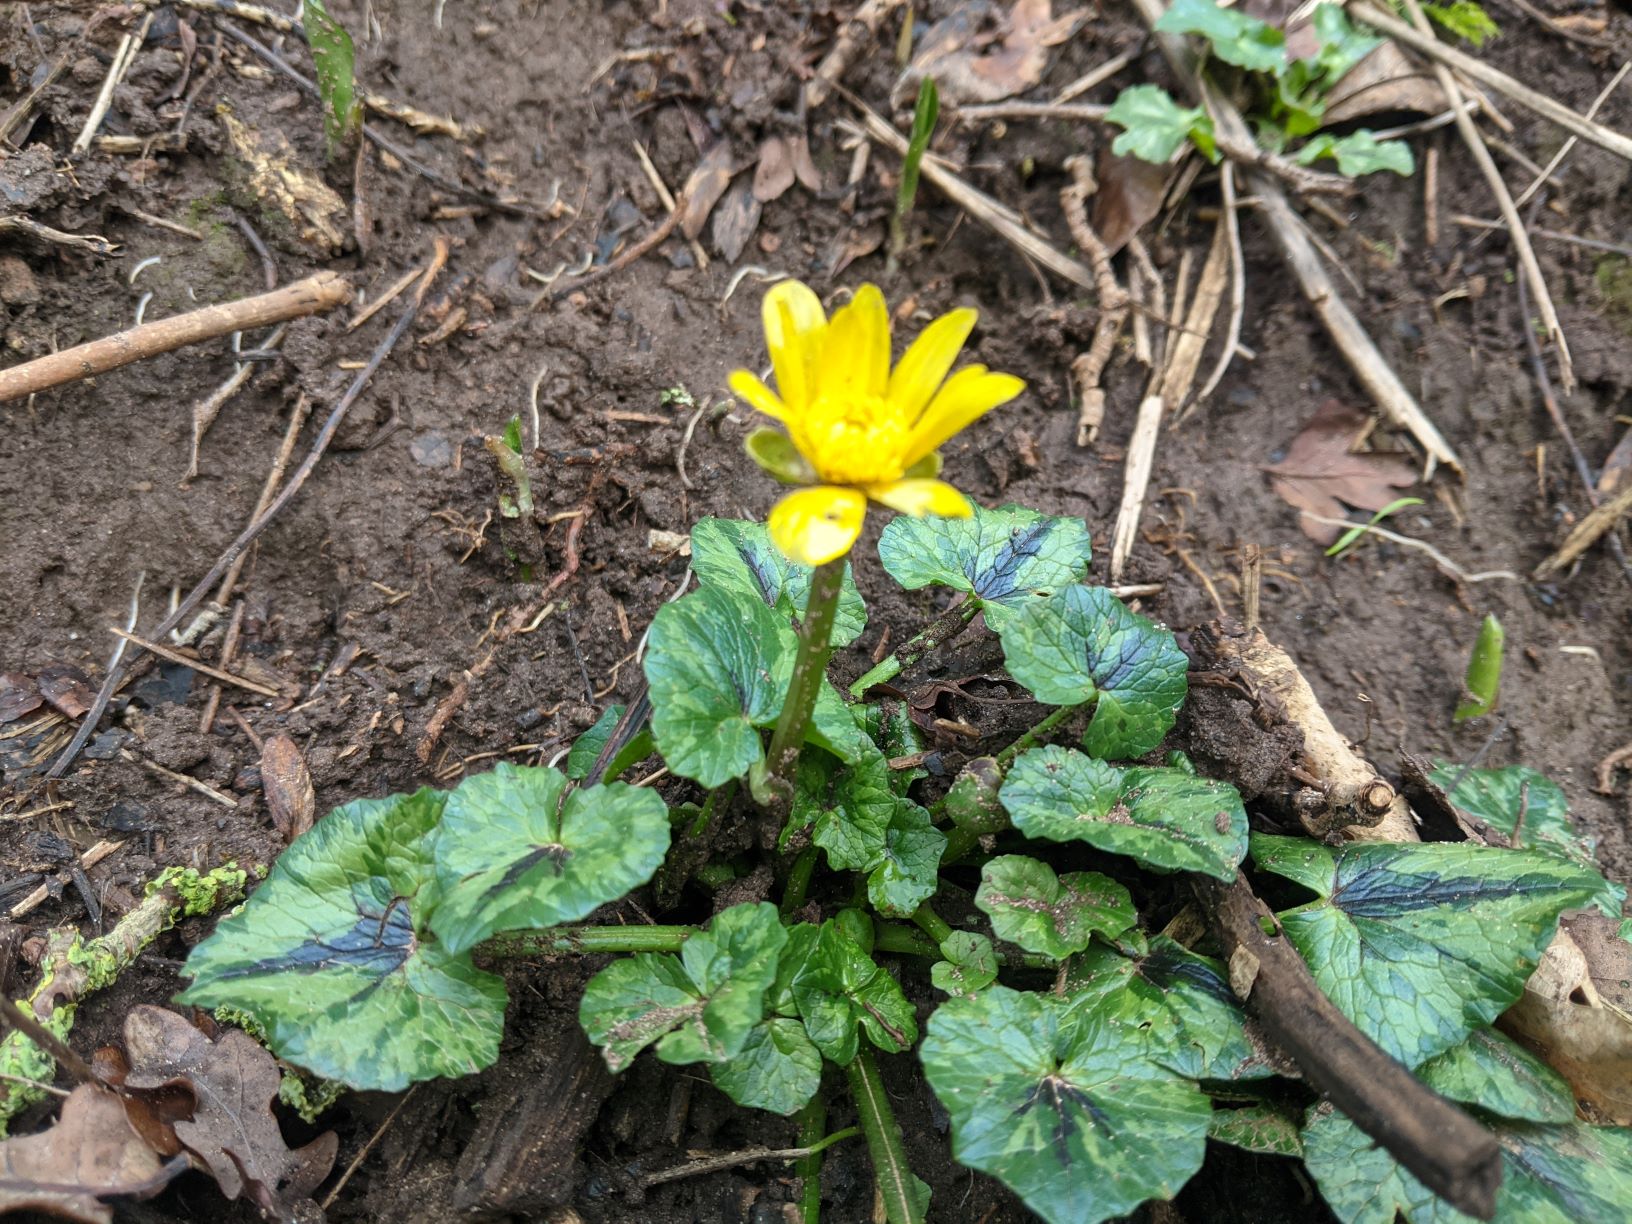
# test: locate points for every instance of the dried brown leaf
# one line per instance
(1384, 83)
(92, 1153)
(704, 188)
(775, 173)
(735, 221)
(804, 169)
(1321, 474)
(67, 689)
(232, 1130)
(288, 786)
(19, 695)
(1130, 195)
(971, 62)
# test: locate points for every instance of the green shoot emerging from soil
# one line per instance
(336, 61)
(1484, 676)
(1084, 1046)
(924, 115)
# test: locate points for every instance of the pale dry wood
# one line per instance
(1185, 351)
(861, 27)
(1587, 533)
(1136, 479)
(1238, 289)
(129, 45)
(317, 293)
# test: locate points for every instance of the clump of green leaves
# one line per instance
(1083, 1055)
(336, 61)
(1287, 96)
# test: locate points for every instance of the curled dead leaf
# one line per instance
(775, 173)
(66, 688)
(1321, 474)
(978, 53)
(704, 187)
(735, 221)
(232, 1131)
(287, 784)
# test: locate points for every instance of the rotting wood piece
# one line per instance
(1446, 1150)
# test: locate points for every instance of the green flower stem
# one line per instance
(933, 636)
(587, 940)
(931, 923)
(1029, 739)
(793, 896)
(775, 789)
(895, 1179)
(905, 941)
(812, 1121)
(959, 842)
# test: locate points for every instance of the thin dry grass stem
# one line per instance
(1096, 76)
(1480, 71)
(1564, 150)
(1238, 290)
(1089, 368)
(1438, 558)
(1510, 214)
(123, 57)
(667, 196)
(1135, 481)
(1140, 254)
(1591, 244)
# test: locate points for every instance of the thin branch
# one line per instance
(1438, 558)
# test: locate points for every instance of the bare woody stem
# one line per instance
(775, 790)
(933, 636)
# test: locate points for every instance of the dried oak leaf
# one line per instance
(954, 51)
(1321, 474)
(92, 1153)
(287, 785)
(704, 187)
(232, 1130)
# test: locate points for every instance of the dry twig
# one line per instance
(1088, 369)
(1587, 532)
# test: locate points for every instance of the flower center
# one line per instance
(853, 439)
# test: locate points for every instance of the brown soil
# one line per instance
(375, 563)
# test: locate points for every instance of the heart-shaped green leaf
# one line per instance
(1266, 1129)
(735, 555)
(905, 875)
(1501, 1077)
(850, 807)
(840, 991)
(1052, 915)
(777, 1069)
(333, 955)
(970, 964)
(515, 851)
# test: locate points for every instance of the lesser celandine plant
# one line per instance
(1083, 1054)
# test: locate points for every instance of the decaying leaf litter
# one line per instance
(455, 643)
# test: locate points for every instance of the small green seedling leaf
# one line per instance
(1498, 796)
(924, 114)
(515, 851)
(1006, 558)
(512, 434)
(1352, 536)
(1501, 1077)
(1483, 680)
(1155, 126)
(1052, 915)
(850, 807)
(335, 60)
(1167, 819)
(333, 955)
(738, 556)
(1056, 1099)
(778, 1069)
(1181, 1002)
(717, 665)
(970, 964)
(1359, 153)
(1264, 1129)
(906, 875)
(1420, 945)
(1569, 1173)
(1236, 38)
(586, 749)
(841, 993)
(1465, 19)
(1342, 43)
(1084, 644)
(701, 1006)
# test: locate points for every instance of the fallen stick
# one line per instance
(1479, 70)
(1448, 1151)
(1587, 533)
(317, 293)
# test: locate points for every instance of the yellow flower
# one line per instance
(857, 430)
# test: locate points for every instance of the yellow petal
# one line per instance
(967, 396)
(815, 525)
(795, 327)
(923, 367)
(856, 357)
(757, 395)
(921, 497)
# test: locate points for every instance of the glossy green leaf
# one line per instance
(1167, 819)
(777, 1069)
(1497, 796)
(515, 851)
(1236, 38)
(333, 955)
(1342, 43)
(1005, 558)
(1421, 944)
(717, 666)
(905, 876)
(700, 1006)
(1182, 1004)
(334, 57)
(1561, 1174)
(1057, 1101)
(850, 807)
(1264, 1129)
(1359, 153)
(1154, 126)
(924, 114)
(841, 992)
(970, 964)
(587, 747)
(1501, 1077)
(1084, 644)
(1052, 915)
(738, 556)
